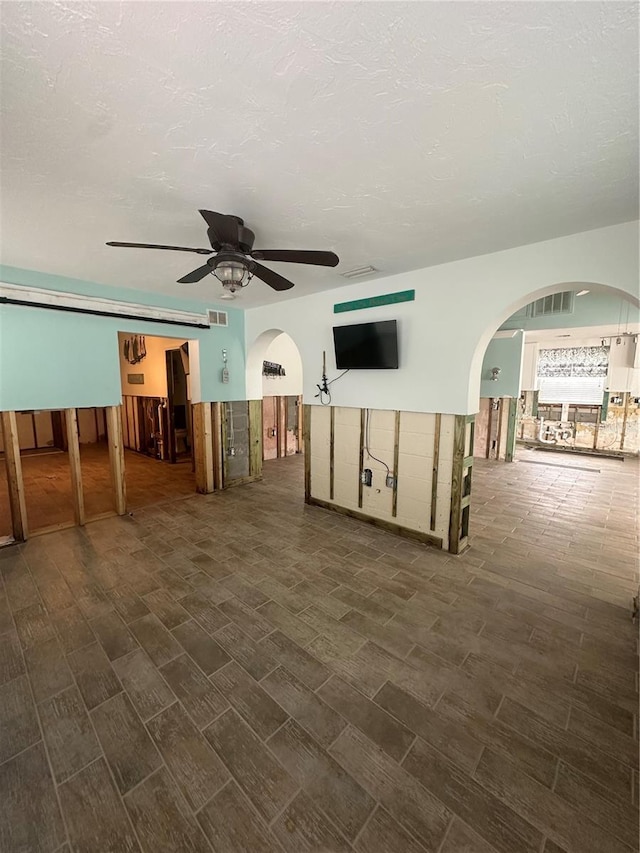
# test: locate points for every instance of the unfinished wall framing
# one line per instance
(426, 457)
(211, 430)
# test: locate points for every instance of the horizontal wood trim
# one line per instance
(241, 481)
(388, 526)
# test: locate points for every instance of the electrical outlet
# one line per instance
(391, 481)
(366, 477)
(224, 376)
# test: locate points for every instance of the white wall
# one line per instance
(283, 351)
(458, 307)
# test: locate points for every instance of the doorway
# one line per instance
(157, 422)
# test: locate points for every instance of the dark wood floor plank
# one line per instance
(303, 828)
(158, 643)
(146, 688)
(126, 744)
(162, 818)
(330, 787)
(382, 832)
(18, 720)
(94, 813)
(417, 810)
(94, 675)
(68, 733)
(260, 776)
(549, 813)
(249, 699)
(30, 819)
(315, 716)
(231, 824)
(197, 770)
(297, 660)
(201, 700)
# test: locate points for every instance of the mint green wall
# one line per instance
(55, 359)
(592, 309)
(505, 353)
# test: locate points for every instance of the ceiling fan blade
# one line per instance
(154, 246)
(224, 227)
(195, 275)
(293, 256)
(273, 279)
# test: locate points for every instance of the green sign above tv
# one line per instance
(375, 301)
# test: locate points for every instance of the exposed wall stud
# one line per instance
(361, 466)
(332, 435)
(116, 457)
(15, 482)
(511, 430)
(306, 441)
(396, 458)
(625, 415)
(73, 444)
(457, 476)
(216, 442)
(255, 439)
(436, 465)
(203, 447)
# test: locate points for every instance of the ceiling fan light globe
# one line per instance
(230, 272)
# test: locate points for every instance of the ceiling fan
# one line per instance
(234, 261)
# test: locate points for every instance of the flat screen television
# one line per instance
(367, 346)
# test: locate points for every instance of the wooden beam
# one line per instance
(510, 449)
(306, 442)
(116, 457)
(224, 427)
(500, 418)
(15, 482)
(216, 441)
(73, 443)
(434, 478)
(396, 457)
(332, 437)
(487, 450)
(278, 404)
(255, 439)
(203, 447)
(457, 476)
(623, 432)
(300, 426)
(360, 469)
(388, 526)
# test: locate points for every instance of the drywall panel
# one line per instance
(529, 367)
(415, 472)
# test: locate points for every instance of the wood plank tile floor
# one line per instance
(240, 673)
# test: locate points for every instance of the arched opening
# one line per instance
(274, 375)
(572, 393)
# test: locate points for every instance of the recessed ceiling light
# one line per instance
(582, 293)
(356, 273)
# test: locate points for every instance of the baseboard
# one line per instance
(388, 526)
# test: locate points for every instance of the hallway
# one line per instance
(241, 672)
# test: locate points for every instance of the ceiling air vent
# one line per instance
(218, 318)
(359, 271)
(556, 303)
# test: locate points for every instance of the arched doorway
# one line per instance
(572, 506)
(274, 375)
(568, 354)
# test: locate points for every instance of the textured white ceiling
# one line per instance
(396, 134)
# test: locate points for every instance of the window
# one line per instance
(572, 375)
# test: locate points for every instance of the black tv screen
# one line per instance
(366, 346)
